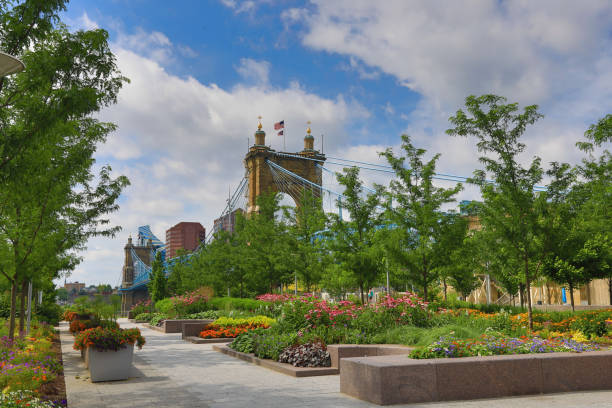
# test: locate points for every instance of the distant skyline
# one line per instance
(362, 72)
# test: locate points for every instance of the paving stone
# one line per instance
(172, 373)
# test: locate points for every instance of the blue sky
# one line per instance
(362, 72)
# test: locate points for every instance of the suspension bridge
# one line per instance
(266, 170)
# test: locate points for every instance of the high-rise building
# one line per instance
(227, 222)
(185, 235)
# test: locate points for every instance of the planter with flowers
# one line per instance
(109, 351)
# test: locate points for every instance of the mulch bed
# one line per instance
(55, 390)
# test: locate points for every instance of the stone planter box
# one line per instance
(199, 340)
(193, 328)
(176, 325)
(110, 365)
(283, 368)
(340, 351)
(388, 380)
(85, 356)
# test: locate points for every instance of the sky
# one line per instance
(362, 72)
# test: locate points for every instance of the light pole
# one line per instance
(10, 65)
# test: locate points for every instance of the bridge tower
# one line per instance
(301, 163)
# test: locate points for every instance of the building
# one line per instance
(227, 222)
(74, 287)
(184, 235)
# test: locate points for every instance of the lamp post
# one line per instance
(10, 65)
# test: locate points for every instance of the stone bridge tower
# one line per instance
(301, 163)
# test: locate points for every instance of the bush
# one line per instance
(143, 316)
(144, 306)
(229, 303)
(21, 398)
(49, 312)
(209, 314)
(270, 345)
(156, 318)
(245, 342)
(5, 306)
(306, 355)
(164, 306)
(257, 321)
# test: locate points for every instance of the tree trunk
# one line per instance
(13, 310)
(522, 294)
(528, 289)
(571, 291)
(361, 293)
(444, 284)
(425, 286)
(610, 288)
(22, 305)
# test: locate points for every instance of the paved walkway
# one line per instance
(169, 372)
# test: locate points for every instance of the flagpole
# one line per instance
(284, 134)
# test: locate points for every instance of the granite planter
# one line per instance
(110, 365)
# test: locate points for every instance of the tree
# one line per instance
(352, 242)
(62, 294)
(49, 203)
(414, 205)
(158, 283)
(510, 203)
(305, 239)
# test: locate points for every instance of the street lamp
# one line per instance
(10, 65)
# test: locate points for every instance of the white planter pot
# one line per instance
(110, 365)
(85, 356)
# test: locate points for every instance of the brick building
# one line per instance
(75, 287)
(185, 235)
(227, 222)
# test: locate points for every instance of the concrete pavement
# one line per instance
(169, 372)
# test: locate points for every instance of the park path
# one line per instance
(169, 372)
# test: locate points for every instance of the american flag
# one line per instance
(281, 133)
(279, 125)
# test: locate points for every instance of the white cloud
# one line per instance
(238, 6)
(557, 54)
(255, 72)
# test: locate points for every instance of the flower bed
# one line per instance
(227, 327)
(27, 364)
(108, 339)
(449, 347)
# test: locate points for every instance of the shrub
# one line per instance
(164, 306)
(157, 318)
(49, 312)
(144, 306)
(245, 342)
(209, 314)
(103, 339)
(229, 303)
(270, 345)
(143, 316)
(306, 355)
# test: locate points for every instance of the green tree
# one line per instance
(414, 205)
(158, 284)
(305, 224)
(453, 249)
(510, 207)
(352, 243)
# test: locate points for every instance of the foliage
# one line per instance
(157, 318)
(104, 339)
(510, 208)
(143, 317)
(256, 321)
(216, 332)
(306, 355)
(50, 199)
(143, 306)
(352, 243)
(245, 342)
(209, 314)
(269, 344)
(158, 283)
(414, 206)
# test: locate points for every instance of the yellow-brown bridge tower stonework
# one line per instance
(261, 180)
